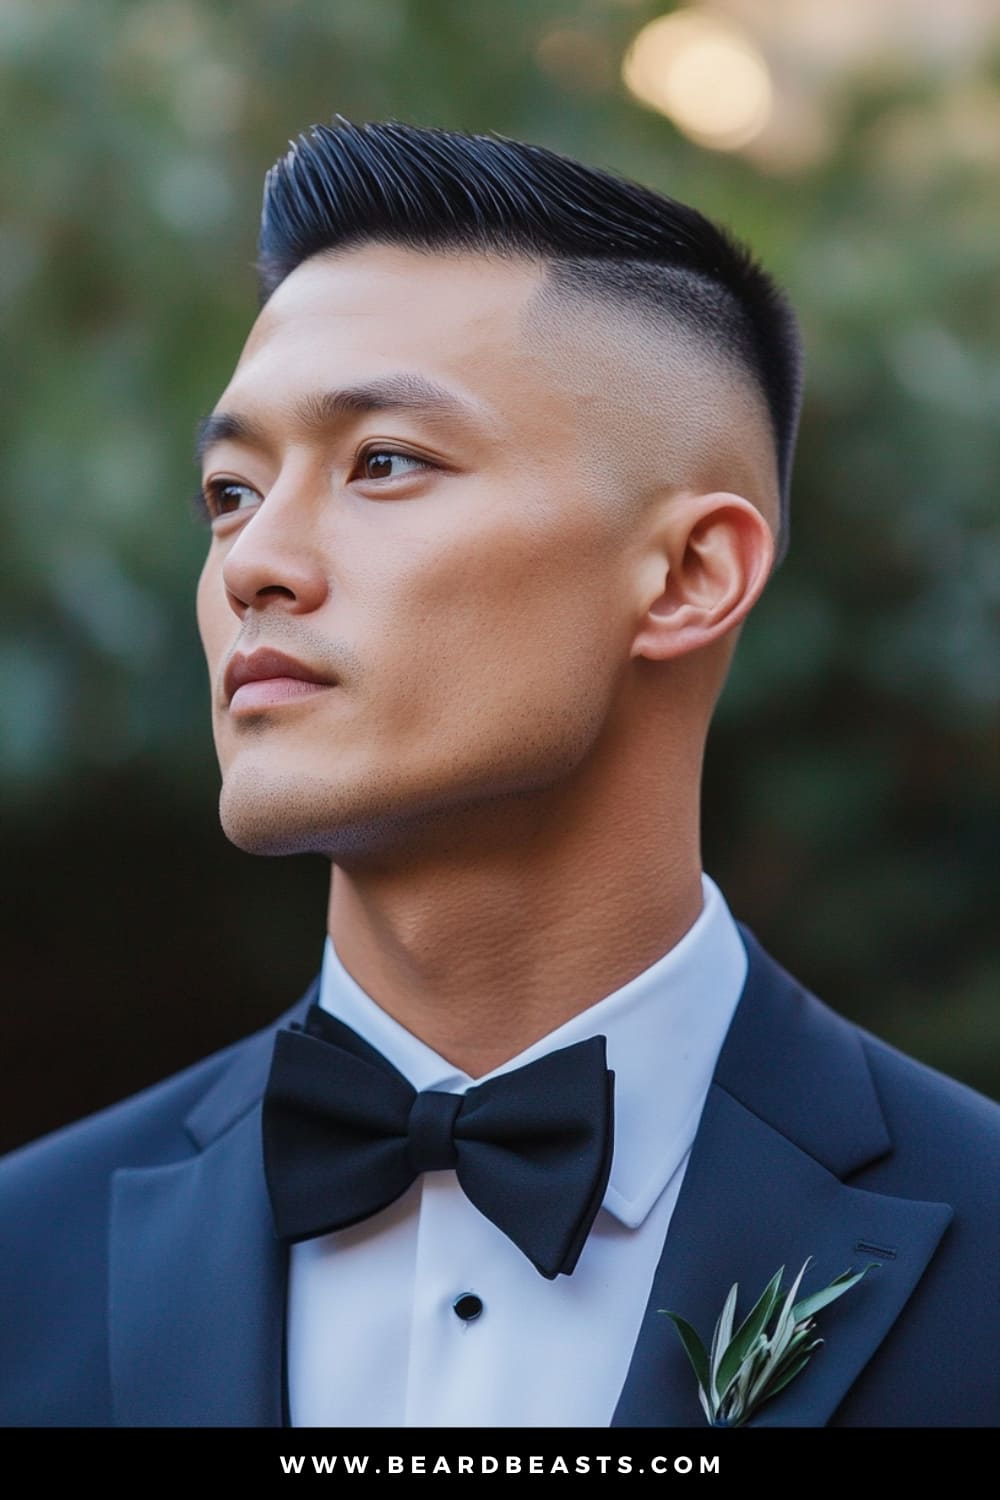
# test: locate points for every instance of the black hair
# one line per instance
(428, 189)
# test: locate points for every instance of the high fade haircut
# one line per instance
(602, 236)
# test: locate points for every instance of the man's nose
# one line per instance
(275, 560)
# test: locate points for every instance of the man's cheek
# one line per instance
(212, 626)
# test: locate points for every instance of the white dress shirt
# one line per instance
(373, 1335)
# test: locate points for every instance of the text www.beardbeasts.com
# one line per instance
(484, 1463)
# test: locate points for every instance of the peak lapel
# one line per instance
(197, 1299)
(791, 1110)
(197, 1276)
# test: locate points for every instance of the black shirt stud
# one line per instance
(468, 1307)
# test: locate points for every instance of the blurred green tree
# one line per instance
(851, 810)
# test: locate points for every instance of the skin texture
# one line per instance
(525, 619)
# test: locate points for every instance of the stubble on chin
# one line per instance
(263, 813)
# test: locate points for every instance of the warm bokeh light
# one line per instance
(705, 75)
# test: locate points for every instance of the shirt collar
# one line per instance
(664, 1031)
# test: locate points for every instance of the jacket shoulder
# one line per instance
(143, 1129)
(943, 1132)
(933, 1128)
(55, 1197)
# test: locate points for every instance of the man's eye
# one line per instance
(224, 496)
(386, 463)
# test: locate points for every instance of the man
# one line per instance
(499, 474)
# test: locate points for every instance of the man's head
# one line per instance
(499, 467)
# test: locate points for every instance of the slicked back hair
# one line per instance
(346, 185)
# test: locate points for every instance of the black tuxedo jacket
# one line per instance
(145, 1287)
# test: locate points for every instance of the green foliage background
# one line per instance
(851, 786)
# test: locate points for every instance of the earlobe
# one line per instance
(710, 561)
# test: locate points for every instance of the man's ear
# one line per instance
(704, 567)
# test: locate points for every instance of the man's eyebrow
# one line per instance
(317, 413)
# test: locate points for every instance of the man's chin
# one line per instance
(262, 814)
(371, 820)
(265, 816)
(256, 829)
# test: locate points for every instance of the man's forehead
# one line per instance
(375, 291)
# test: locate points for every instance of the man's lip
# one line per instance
(264, 664)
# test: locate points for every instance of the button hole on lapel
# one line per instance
(864, 1247)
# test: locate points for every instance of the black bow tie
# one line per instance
(345, 1134)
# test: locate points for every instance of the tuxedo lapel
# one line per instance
(196, 1272)
(197, 1275)
(790, 1113)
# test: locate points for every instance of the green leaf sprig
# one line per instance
(773, 1344)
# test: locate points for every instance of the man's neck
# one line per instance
(483, 946)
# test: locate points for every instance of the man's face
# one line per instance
(408, 511)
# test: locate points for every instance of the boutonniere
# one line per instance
(772, 1345)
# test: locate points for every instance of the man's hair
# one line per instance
(602, 236)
